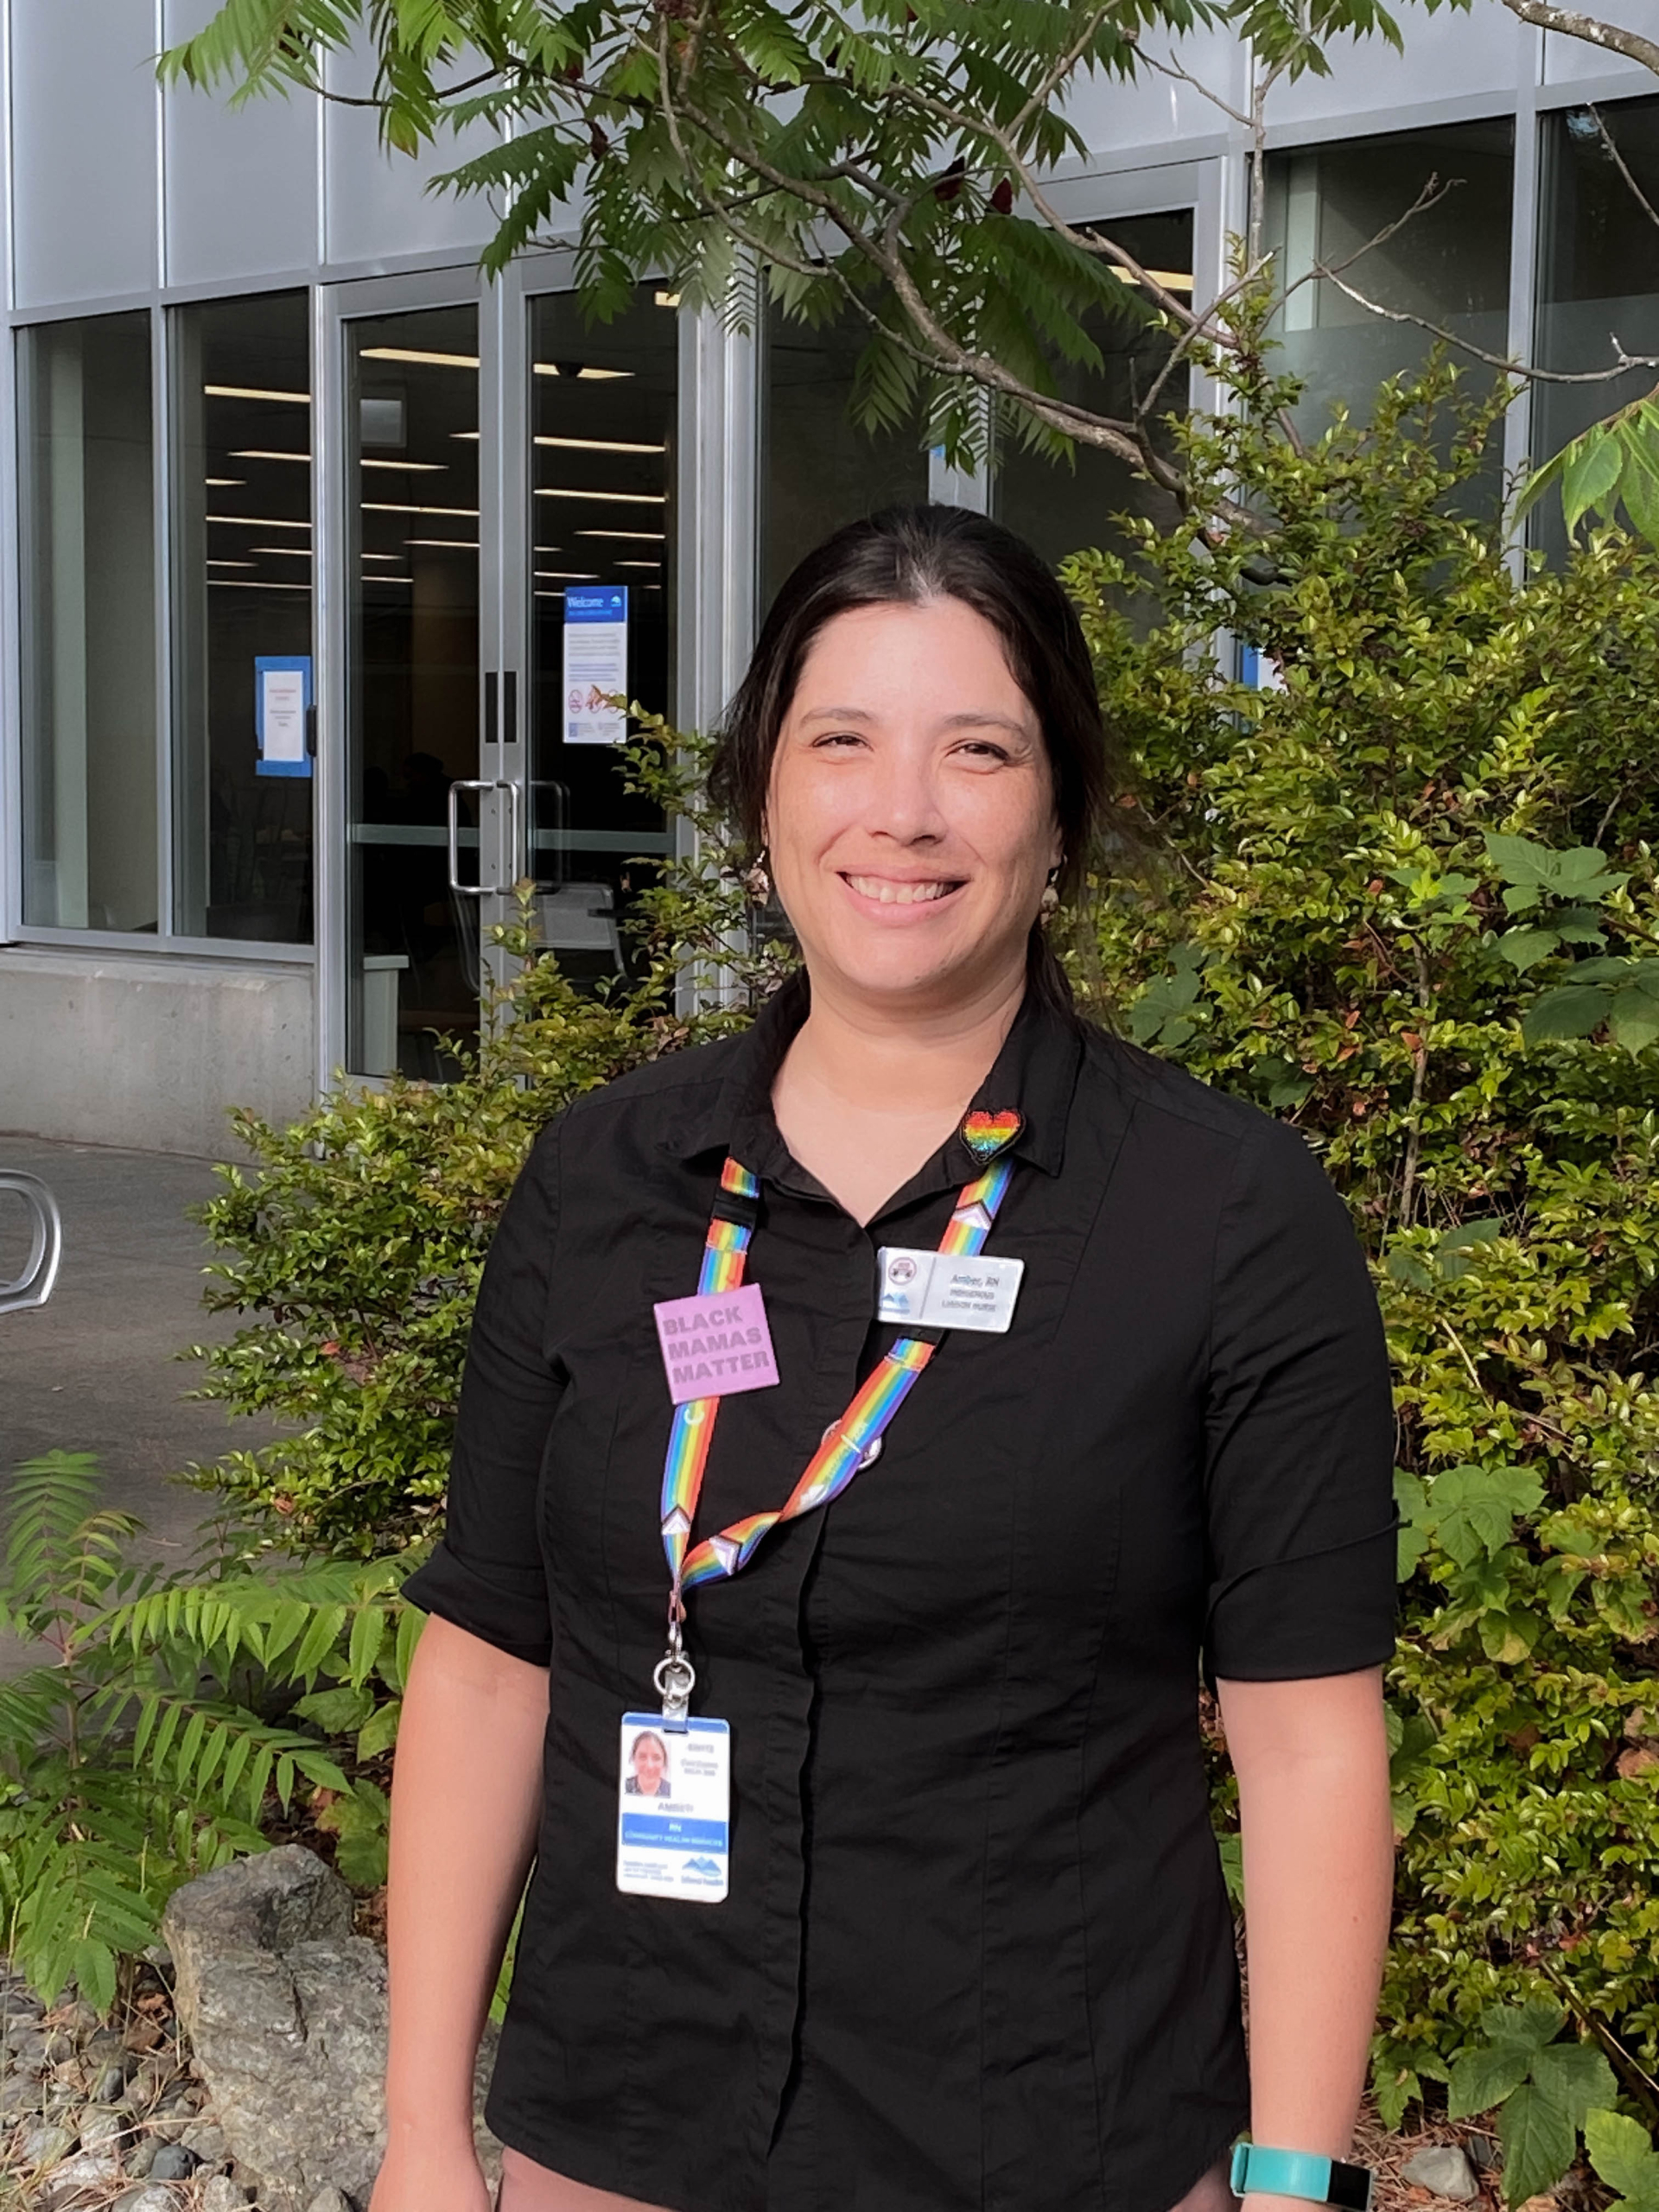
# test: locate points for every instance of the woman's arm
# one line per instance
(466, 1797)
(1312, 1765)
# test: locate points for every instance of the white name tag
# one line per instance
(940, 1290)
(673, 1818)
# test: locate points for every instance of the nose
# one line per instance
(904, 797)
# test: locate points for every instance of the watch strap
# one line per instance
(1301, 2173)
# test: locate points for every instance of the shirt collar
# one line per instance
(1034, 1074)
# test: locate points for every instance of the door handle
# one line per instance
(506, 852)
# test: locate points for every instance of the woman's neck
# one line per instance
(865, 1095)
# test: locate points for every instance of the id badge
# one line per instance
(943, 1290)
(673, 1817)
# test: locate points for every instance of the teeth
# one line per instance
(889, 894)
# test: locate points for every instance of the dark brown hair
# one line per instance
(907, 556)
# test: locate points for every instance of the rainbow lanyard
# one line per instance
(849, 1443)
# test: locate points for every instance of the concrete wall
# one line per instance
(113, 1049)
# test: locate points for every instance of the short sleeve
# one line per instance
(1299, 1431)
(487, 1575)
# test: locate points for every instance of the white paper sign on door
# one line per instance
(595, 663)
(282, 693)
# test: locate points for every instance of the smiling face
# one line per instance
(910, 819)
(650, 1765)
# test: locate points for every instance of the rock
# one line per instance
(220, 2194)
(147, 2198)
(206, 2143)
(104, 2128)
(143, 2156)
(1443, 2170)
(109, 2085)
(86, 2170)
(44, 2145)
(1484, 2153)
(174, 2161)
(19, 2094)
(328, 2199)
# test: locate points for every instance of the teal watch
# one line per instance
(1301, 2173)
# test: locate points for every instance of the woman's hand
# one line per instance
(418, 2176)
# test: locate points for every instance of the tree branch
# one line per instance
(1610, 38)
(1623, 166)
(1527, 370)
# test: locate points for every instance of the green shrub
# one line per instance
(1409, 904)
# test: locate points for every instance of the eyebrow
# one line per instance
(970, 718)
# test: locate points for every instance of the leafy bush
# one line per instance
(1410, 904)
(128, 1761)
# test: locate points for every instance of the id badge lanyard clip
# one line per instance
(849, 1444)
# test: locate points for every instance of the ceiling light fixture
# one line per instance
(552, 369)
(419, 355)
(255, 391)
(611, 499)
(262, 452)
(456, 545)
(252, 583)
(427, 467)
(397, 507)
(585, 445)
(223, 483)
(258, 522)
(660, 536)
(294, 552)
(231, 564)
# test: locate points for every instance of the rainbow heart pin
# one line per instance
(986, 1134)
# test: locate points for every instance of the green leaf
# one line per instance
(1483, 2078)
(336, 1710)
(379, 1733)
(1591, 472)
(1539, 2141)
(1526, 2027)
(1577, 2076)
(1623, 2155)
(1633, 1021)
(1524, 948)
(1573, 1010)
(1472, 1509)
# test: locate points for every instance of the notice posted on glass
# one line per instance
(595, 663)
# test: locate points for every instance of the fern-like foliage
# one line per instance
(136, 1754)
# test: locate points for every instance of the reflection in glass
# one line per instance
(241, 592)
(1598, 275)
(818, 469)
(601, 514)
(89, 624)
(412, 683)
(1060, 507)
(1449, 264)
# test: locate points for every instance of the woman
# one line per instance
(972, 1947)
(649, 1760)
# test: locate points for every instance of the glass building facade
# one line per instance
(303, 518)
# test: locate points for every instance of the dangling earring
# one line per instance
(756, 881)
(1048, 904)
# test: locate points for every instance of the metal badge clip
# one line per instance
(675, 1677)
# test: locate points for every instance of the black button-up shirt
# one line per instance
(977, 1952)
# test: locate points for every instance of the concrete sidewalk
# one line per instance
(94, 1370)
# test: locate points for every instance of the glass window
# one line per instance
(89, 625)
(1599, 273)
(1059, 506)
(818, 469)
(241, 603)
(1449, 264)
(412, 685)
(602, 402)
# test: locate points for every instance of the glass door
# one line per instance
(596, 423)
(421, 830)
(501, 567)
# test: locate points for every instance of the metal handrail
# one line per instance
(33, 1287)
